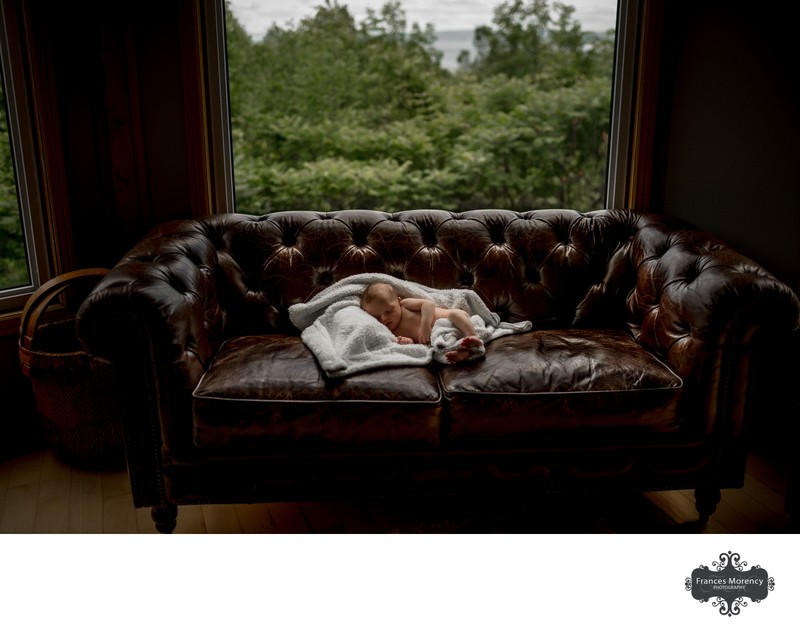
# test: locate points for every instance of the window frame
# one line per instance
(622, 103)
(631, 117)
(218, 106)
(634, 100)
(23, 147)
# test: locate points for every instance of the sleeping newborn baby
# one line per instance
(411, 320)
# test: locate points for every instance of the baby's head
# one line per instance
(381, 301)
(377, 292)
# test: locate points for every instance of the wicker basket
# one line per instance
(74, 393)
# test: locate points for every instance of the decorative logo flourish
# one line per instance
(729, 584)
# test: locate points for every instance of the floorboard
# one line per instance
(5, 470)
(86, 502)
(220, 519)
(253, 519)
(19, 509)
(192, 520)
(287, 518)
(41, 494)
(52, 503)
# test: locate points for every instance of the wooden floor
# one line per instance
(41, 494)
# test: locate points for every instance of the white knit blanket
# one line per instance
(345, 339)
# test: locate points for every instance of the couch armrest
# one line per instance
(163, 291)
(692, 288)
(707, 311)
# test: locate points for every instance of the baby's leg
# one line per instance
(460, 319)
(471, 347)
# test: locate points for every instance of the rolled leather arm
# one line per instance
(164, 291)
(708, 312)
(693, 289)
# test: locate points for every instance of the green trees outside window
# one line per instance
(330, 114)
(13, 260)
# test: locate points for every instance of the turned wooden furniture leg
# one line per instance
(705, 500)
(165, 517)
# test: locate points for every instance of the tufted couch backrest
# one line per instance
(554, 267)
(679, 291)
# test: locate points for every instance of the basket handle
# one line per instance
(38, 303)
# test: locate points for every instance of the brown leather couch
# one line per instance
(644, 369)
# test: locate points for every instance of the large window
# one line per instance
(22, 250)
(14, 270)
(363, 108)
(373, 110)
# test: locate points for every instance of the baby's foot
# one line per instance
(471, 347)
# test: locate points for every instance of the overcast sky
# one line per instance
(256, 16)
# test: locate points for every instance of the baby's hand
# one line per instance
(424, 335)
(404, 340)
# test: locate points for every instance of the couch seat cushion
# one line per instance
(543, 385)
(268, 394)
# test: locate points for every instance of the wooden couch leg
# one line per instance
(165, 518)
(705, 501)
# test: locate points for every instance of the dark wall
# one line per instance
(727, 154)
(113, 73)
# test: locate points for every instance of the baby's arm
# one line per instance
(427, 309)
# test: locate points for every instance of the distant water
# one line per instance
(451, 43)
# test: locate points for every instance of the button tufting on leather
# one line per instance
(429, 239)
(359, 238)
(289, 239)
(561, 232)
(324, 277)
(497, 233)
(532, 275)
